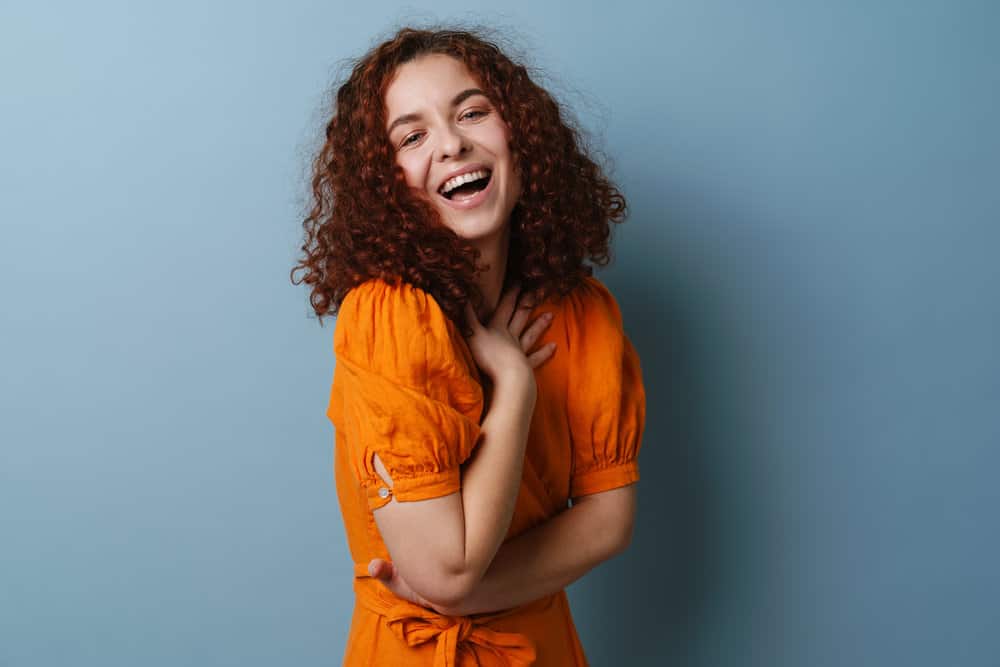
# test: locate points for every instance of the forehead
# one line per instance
(428, 81)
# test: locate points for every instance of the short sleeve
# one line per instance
(405, 387)
(606, 398)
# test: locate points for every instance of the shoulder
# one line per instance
(595, 340)
(377, 291)
(590, 308)
(399, 330)
(603, 371)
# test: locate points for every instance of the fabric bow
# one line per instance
(416, 625)
(451, 632)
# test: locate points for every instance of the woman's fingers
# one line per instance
(541, 355)
(524, 307)
(536, 329)
(380, 569)
(385, 572)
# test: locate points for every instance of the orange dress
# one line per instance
(406, 387)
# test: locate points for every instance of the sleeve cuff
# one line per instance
(408, 489)
(610, 477)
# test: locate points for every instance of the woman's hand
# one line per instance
(502, 347)
(385, 572)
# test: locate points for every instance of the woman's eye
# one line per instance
(410, 139)
(474, 113)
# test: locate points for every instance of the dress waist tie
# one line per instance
(417, 625)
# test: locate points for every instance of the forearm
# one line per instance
(492, 477)
(543, 560)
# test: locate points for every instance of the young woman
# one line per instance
(487, 404)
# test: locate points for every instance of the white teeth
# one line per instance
(453, 183)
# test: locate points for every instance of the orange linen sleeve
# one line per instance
(405, 387)
(606, 396)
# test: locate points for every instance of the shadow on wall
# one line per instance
(688, 309)
(644, 605)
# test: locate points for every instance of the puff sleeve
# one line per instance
(405, 387)
(606, 396)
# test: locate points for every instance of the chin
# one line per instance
(476, 230)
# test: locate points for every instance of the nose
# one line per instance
(451, 142)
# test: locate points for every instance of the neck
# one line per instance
(491, 281)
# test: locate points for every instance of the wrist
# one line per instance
(518, 381)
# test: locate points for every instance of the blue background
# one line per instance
(809, 274)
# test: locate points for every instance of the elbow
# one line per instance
(445, 588)
(612, 513)
(447, 594)
(621, 540)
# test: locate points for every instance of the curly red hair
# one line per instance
(366, 223)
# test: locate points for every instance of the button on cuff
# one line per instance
(378, 495)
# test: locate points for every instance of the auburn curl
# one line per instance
(365, 222)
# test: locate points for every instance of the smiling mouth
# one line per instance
(468, 190)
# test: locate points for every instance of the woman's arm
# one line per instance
(542, 560)
(556, 553)
(443, 546)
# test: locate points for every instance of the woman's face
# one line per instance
(442, 126)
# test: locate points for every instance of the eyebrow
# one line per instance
(410, 117)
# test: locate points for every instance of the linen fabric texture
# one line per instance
(406, 387)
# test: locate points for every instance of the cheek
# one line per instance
(414, 169)
(500, 139)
